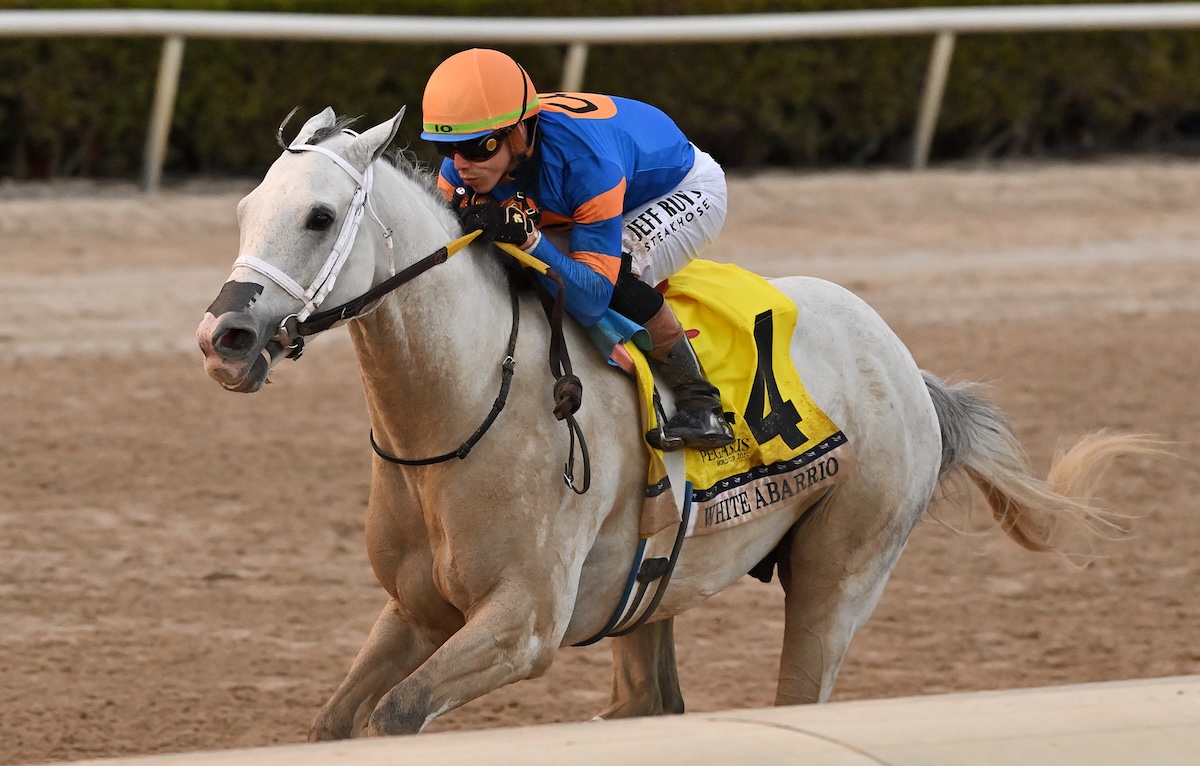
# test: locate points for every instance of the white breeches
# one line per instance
(664, 234)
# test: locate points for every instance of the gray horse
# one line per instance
(491, 563)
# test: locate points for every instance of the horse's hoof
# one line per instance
(325, 729)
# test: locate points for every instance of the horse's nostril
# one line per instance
(235, 341)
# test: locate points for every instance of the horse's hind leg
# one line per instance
(392, 651)
(645, 679)
(833, 566)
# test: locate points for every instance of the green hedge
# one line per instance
(80, 106)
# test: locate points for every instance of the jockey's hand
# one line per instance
(499, 224)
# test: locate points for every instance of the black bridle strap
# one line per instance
(568, 390)
(508, 365)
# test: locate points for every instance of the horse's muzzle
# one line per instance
(233, 351)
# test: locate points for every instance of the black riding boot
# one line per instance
(699, 420)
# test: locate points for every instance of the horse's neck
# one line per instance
(433, 348)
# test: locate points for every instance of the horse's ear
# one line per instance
(371, 144)
(318, 121)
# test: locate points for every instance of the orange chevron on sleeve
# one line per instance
(609, 204)
(554, 221)
(607, 266)
(445, 187)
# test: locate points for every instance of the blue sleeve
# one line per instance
(587, 293)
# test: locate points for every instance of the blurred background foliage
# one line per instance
(80, 106)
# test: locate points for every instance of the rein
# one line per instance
(568, 390)
(293, 331)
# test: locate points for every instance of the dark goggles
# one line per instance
(477, 149)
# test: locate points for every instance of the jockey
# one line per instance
(605, 190)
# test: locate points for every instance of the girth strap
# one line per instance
(643, 572)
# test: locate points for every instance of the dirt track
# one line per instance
(182, 568)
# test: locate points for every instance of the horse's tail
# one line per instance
(977, 440)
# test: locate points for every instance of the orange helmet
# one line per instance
(474, 93)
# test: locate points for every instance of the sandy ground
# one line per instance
(182, 568)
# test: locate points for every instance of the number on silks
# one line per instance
(588, 106)
(767, 414)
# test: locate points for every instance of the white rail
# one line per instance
(578, 33)
(1118, 723)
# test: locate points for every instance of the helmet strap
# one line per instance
(521, 139)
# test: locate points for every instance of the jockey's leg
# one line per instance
(699, 420)
(665, 234)
(392, 651)
(659, 239)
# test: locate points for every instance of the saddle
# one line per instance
(785, 448)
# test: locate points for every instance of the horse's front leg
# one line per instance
(394, 648)
(506, 638)
(645, 678)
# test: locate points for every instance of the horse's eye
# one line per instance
(319, 219)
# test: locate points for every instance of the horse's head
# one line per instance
(301, 247)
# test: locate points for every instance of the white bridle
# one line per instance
(314, 295)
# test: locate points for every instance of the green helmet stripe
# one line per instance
(492, 123)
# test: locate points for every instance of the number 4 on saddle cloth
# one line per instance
(785, 449)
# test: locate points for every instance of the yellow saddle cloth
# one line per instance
(785, 449)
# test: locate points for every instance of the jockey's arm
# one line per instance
(585, 275)
(589, 272)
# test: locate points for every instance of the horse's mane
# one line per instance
(403, 159)
(424, 176)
